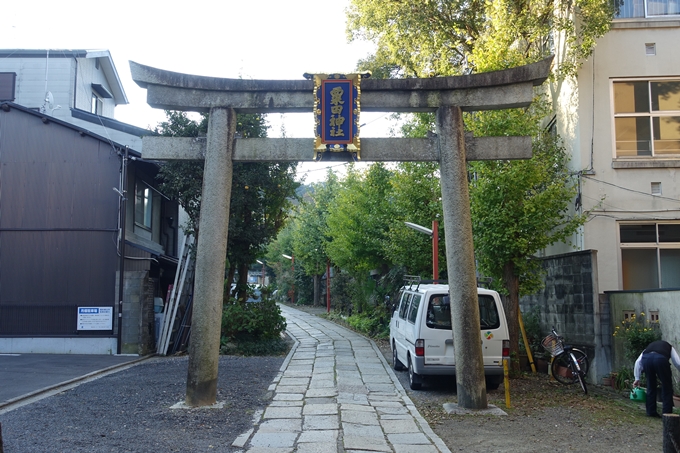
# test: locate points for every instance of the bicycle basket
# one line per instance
(553, 345)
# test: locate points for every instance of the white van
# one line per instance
(422, 340)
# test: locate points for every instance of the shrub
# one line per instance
(637, 333)
(252, 321)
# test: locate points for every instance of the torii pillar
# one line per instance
(448, 96)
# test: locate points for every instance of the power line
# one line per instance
(631, 190)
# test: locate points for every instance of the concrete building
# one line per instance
(620, 120)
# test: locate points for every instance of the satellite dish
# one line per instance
(49, 99)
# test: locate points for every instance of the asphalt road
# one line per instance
(22, 374)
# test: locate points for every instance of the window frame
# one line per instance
(147, 210)
(657, 246)
(646, 14)
(96, 104)
(650, 114)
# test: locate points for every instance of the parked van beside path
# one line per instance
(422, 340)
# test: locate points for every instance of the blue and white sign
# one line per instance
(336, 116)
(95, 318)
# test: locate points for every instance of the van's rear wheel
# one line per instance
(493, 382)
(414, 379)
(396, 363)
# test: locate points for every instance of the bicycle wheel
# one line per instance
(582, 381)
(561, 369)
(582, 360)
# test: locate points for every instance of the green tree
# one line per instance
(311, 237)
(358, 224)
(260, 195)
(359, 220)
(518, 208)
(416, 198)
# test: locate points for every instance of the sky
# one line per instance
(253, 39)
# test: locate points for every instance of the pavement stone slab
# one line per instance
(408, 439)
(280, 425)
(311, 422)
(283, 412)
(359, 417)
(291, 388)
(288, 396)
(399, 448)
(274, 440)
(358, 430)
(323, 435)
(320, 409)
(329, 392)
(399, 426)
(371, 443)
(286, 403)
(318, 447)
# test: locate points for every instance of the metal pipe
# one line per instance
(121, 245)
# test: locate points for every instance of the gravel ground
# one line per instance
(544, 416)
(129, 411)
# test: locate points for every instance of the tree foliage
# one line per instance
(260, 195)
(416, 198)
(520, 207)
(359, 219)
(450, 37)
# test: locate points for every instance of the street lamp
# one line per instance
(292, 259)
(434, 232)
(263, 271)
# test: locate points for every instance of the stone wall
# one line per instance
(569, 301)
(138, 317)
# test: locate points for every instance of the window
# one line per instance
(647, 118)
(627, 9)
(650, 255)
(97, 104)
(439, 312)
(404, 305)
(143, 205)
(7, 86)
(413, 310)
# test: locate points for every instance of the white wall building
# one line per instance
(620, 120)
(80, 87)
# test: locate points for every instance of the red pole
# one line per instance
(293, 269)
(328, 285)
(435, 250)
(263, 274)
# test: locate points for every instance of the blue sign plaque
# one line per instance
(336, 116)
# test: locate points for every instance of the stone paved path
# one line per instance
(336, 393)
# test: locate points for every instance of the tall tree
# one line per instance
(260, 199)
(311, 237)
(359, 220)
(518, 208)
(416, 198)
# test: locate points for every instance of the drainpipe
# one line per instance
(121, 246)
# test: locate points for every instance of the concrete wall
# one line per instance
(663, 302)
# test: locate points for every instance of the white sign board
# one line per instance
(95, 318)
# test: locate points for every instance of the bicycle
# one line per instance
(569, 365)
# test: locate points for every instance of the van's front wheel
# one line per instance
(414, 379)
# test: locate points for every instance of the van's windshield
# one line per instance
(439, 312)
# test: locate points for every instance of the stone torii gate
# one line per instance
(447, 96)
